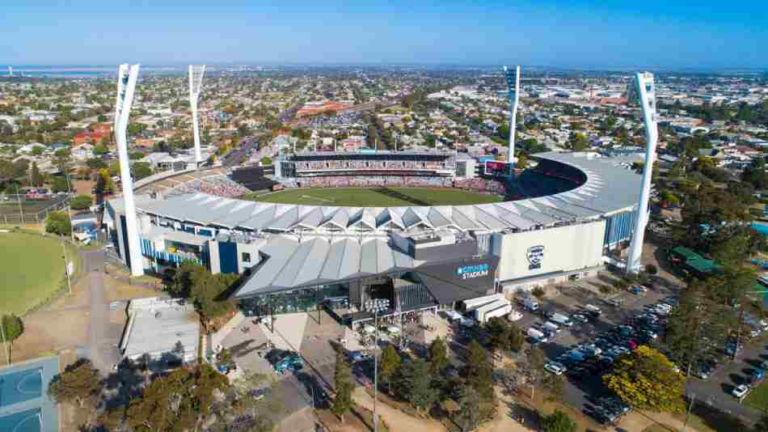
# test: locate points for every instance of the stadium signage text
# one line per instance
(535, 255)
(473, 271)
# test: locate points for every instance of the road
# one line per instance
(236, 156)
(101, 348)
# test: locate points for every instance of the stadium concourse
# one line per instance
(561, 220)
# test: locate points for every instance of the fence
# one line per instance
(13, 213)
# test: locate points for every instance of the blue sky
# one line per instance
(576, 33)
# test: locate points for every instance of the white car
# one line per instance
(515, 316)
(740, 391)
(555, 368)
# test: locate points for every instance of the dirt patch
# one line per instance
(359, 419)
(84, 187)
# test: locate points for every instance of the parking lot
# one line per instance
(588, 347)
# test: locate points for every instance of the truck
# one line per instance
(530, 304)
(537, 335)
(475, 303)
(561, 319)
(496, 309)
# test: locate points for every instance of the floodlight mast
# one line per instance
(645, 92)
(196, 73)
(126, 86)
(513, 91)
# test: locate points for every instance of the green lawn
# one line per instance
(376, 197)
(32, 269)
(758, 397)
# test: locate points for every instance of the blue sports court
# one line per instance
(24, 402)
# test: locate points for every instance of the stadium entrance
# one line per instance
(387, 296)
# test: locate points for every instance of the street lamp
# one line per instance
(376, 306)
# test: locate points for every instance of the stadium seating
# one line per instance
(218, 185)
(252, 178)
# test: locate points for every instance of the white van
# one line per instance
(593, 308)
(536, 334)
(549, 325)
(561, 319)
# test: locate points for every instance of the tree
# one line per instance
(522, 161)
(79, 383)
(390, 365)
(13, 328)
(208, 291)
(181, 400)
(58, 223)
(479, 371)
(95, 163)
(558, 422)
(342, 403)
(36, 178)
(81, 202)
(516, 338)
(104, 183)
(417, 384)
(438, 356)
(141, 170)
(468, 416)
(647, 380)
(59, 184)
(555, 385)
(100, 150)
(498, 334)
(577, 142)
(532, 367)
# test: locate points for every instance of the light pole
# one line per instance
(18, 199)
(66, 266)
(376, 306)
(69, 208)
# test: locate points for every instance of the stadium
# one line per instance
(559, 220)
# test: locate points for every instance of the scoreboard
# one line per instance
(499, 169)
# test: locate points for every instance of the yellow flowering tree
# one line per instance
(647, 380)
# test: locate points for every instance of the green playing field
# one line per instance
(32, 267)
(376, 197)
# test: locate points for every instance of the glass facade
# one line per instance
(335, 296)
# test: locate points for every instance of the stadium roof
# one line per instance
(292, 263)
(610, 187)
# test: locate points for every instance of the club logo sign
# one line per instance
(535, 256)
(473, 271)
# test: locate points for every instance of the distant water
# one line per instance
(72, 71)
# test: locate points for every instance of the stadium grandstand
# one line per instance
(561, 220)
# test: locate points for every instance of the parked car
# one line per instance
(740, 392)
(555, 368)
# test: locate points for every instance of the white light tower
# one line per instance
(513, 91)
(645, 92)
(196, 73)
(126, 85)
